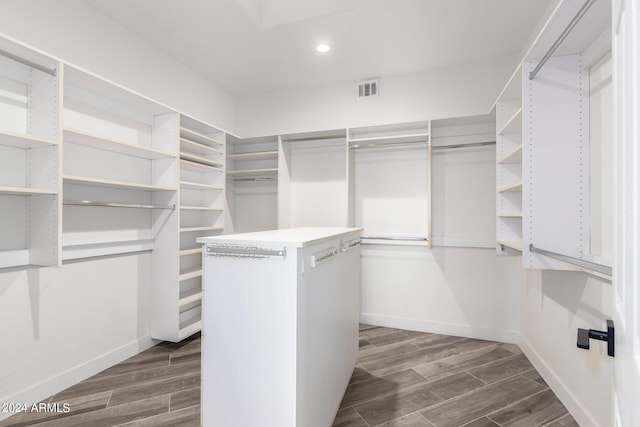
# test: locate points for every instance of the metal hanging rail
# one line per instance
(469, 145)
(28, 63)
(240, 251)
(397, 238)
(359, 146)
(115, 205)
(604, 269)
(561, 38)
(267, 178)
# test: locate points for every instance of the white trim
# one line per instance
(568, 399)
(467, 331)
(65, 379)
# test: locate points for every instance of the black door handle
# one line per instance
(584, 335)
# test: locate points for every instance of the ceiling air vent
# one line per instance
(367, 88)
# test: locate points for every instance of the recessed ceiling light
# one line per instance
(323, 48)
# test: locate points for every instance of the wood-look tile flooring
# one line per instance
(402, 379)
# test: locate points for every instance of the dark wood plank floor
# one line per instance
(402, 379)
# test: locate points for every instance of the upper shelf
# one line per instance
(259, 155)
(95, 141)
(511, 188)
(25, 191)
(199, 159)
(199, 138)
(514, 156)
(113, 184)
(416, 137)
(513, 125)
(198, 167)
(197, 148)
(253, 172)
(24, 141)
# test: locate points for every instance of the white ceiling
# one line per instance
(249, 46)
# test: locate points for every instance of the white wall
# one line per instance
(61, 325)
(450, 92)
(554, 304)
(78, 34)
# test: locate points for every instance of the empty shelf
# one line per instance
(190, 274)
(199, 208)
(190, 229)
(199, 138)
(511, 188)
(511, 215)
(515, 156)
(113, 184)
(89, 250)
(253, 172)
(25, 191)
(192, 251)
(198, 186)
(189, 328)
(25, 141)
(416, 137)
(14, 258)
(260, 155)
(95, 141)
(513, 244)
(196, 148)
(201, 160)
(198, 167)
(190, 297)
(513, 125)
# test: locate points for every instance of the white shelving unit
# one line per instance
(177, 304)
(252, 183)
(509, 152)
(30, 89)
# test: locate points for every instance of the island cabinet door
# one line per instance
(249, 341)
(328, 312)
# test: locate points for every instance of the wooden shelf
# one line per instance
(190, 274)
(513, 244)
(189, 298)
(201, 160)
(253, 172)
(199, 138)
(259, 155)
(18, 140)
(513, 125)
(190, 229)
(22, 191)
(515, 156)
(198, 186)
(193, 251)
(196, 148)
(113, 184)
(198, 167)
(199, 208)
(511, 188)
(95, 141)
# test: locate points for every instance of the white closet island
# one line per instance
(280, 326)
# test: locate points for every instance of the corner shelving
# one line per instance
(509, 153)
(252, 183)
(29, 157)
(177, 303)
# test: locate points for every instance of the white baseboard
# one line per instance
(468, 331)
(568, 399)
(66, 379)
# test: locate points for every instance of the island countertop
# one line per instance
(290, 237)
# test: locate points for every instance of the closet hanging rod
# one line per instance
(398, 238)
(589, 265)
(561, 38)
(115, 205)
(28, 63)
(469, 145)
(255, 179)
(387, 145)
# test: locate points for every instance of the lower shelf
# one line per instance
(14, 258)
(188, 229)
(513, 244)
(189, 328)
(90, 250)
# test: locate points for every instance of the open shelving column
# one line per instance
(31, 87)
(252, 183)
(201, 213)
(509, 176)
